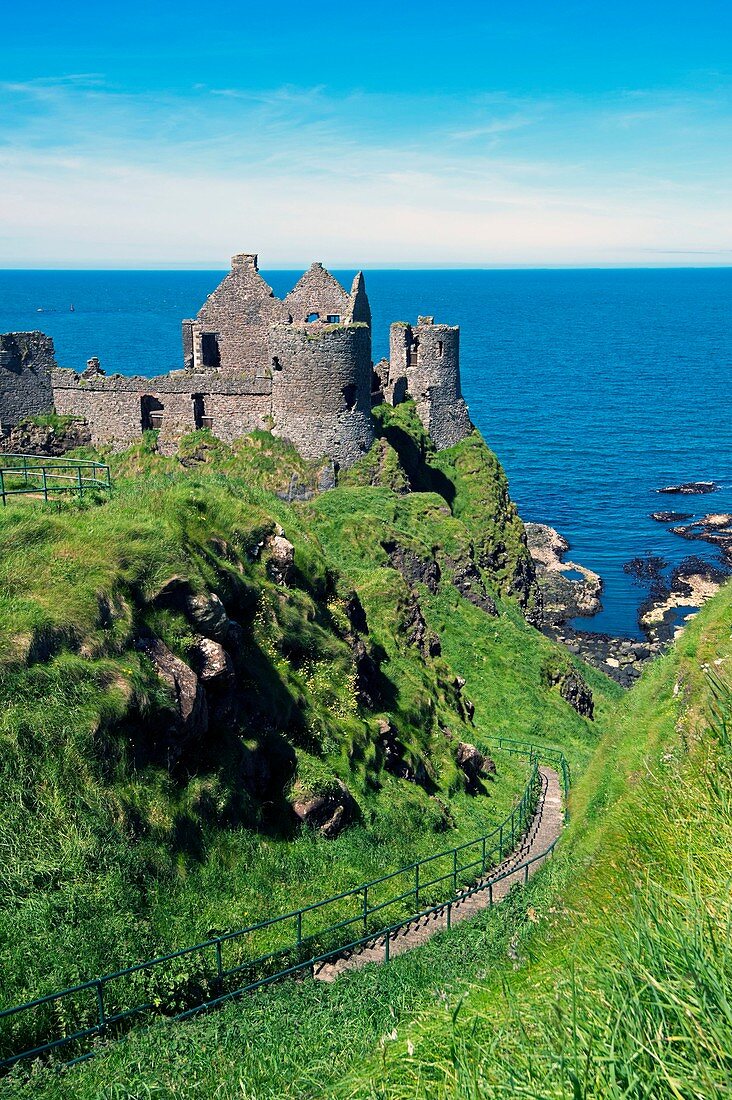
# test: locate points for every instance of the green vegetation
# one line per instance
(123, 832)
(608, 976)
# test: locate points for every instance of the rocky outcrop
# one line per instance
(416, 631)
(208, 615)
(468, 580)
(691, 488)
(189, 708)
(474, 766)
(715, 528)
(210, 661)
(329, 813)
(394, 754)
(280, 557)
(670, 605)
(572, 688)
(413, 566)
(45, 440)
(563, 596)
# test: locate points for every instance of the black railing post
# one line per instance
(102, 1019)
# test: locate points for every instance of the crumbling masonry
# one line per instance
(300, 367)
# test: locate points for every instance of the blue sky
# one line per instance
(468, 134)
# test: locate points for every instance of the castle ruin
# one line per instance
(300, 367)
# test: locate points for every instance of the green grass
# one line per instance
(608, 977)
(110, 853)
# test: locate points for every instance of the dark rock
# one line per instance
(190, 710)
(330, 813)
(416, 630)
(575, 691)
(413, 567)
(467, 579)
(367, 670)
(671, 517)
(691, 488)
(573, 688)
(474, 766)
(208, 614)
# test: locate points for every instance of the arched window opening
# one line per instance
(350, 392)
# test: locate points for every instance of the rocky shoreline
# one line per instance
(570, 590)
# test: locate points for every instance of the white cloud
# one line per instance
(91, 176)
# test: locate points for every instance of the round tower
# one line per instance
(321, 389)
(429, 356)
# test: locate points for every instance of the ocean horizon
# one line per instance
(595, 386)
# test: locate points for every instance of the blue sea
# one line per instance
(594, 387)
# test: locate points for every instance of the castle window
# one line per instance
(210, 355)
(439, 349)
(334, 318)
(200, 419)
(151, 414)
(414, 352)
(276, 365)
(349, 393)
(312, 317)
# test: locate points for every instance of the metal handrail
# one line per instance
(40, 475)
(511, 829)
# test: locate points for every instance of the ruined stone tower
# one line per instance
(428, 357)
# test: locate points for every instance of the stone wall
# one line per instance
(238, 314)
(317, 291)
(428, 355)
(321, 389)
(118, 408)
(26, 362)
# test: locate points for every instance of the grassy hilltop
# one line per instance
(367, 632)
(607, 977)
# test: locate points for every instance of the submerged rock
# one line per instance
(671, 517)
(691, 488)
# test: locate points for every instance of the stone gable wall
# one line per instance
(317, 291)
(239, 312)
(26, 362)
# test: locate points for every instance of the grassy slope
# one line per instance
(608, 976)
(106, 847)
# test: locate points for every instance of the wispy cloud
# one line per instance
(92, 173)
